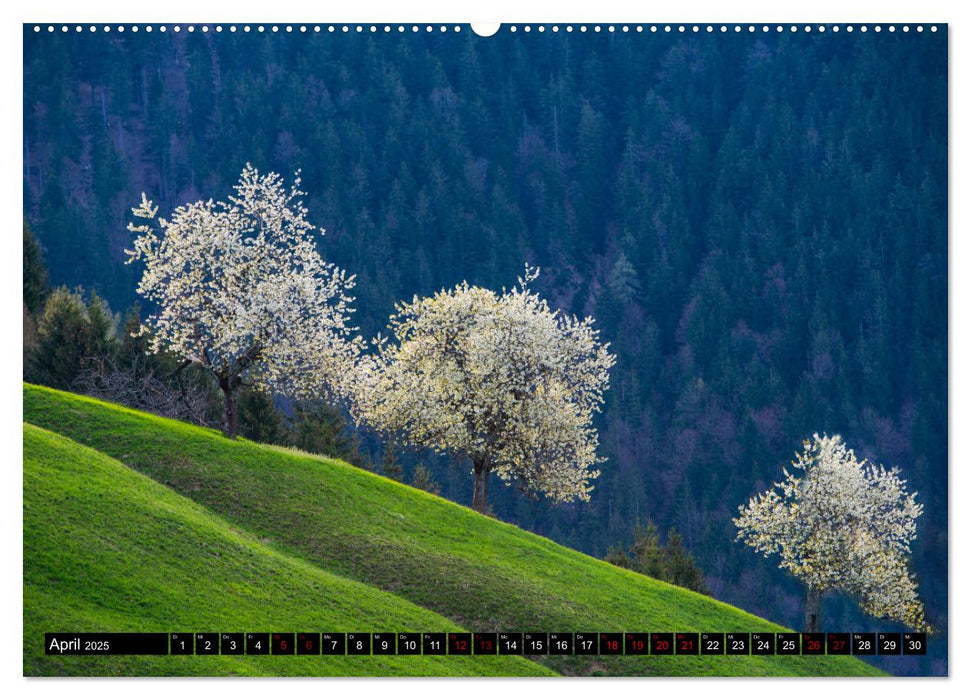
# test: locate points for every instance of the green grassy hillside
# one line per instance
(478, 572)
(107, 549)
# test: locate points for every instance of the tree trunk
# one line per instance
(480, 495)
(813, 610)
(230, 387)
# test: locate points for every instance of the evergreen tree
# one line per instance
(35, 274)
(31, 343)
(669, 562)
(390, 466)
(423, 479)
(622, 280)
(679, 566)
(259, 418)
(70, 334)
(322, 429)
(102, 326)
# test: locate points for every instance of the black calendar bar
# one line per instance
(105, 643)
(281, 644)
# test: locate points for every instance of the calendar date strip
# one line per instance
(485, 643)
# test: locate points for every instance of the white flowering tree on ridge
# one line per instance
(840, 524)
(499, 380)
(241, 291)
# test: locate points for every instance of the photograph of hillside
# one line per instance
(591, 330)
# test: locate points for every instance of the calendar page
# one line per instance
(492, 350)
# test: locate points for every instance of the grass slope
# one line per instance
(479, 572)
(108, 549)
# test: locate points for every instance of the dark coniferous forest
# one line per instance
(758, 223)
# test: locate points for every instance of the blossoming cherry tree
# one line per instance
(240, 290)
(840, 524)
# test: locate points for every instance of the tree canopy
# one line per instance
(498, 379)
(241, 291)
(841, 524)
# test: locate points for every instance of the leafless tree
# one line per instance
(143, 389)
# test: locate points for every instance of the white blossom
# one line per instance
(241, 290)
(499, 379)
(843, 524)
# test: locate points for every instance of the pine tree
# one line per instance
(259, 418)
(71, 333)
(679, 566)
(321, 429)
(35, 273)
(102, 325)
(423, 479)
(390, 466)
(669, 562)
(31, 343)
